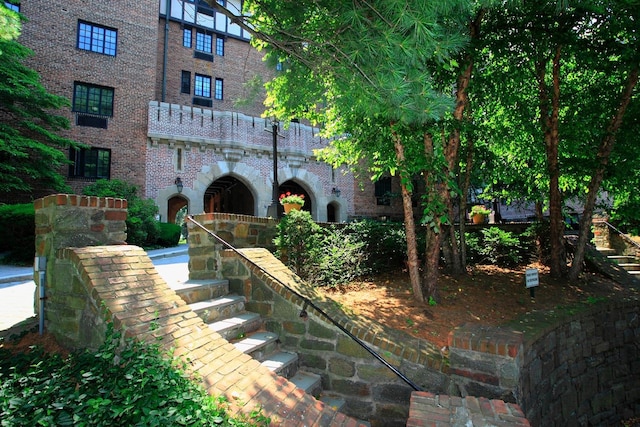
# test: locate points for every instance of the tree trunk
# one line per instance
(452, 149)
(603, 155)
(413, 263)
(433, 232)
(549, 110)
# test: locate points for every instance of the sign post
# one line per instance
(532, 280)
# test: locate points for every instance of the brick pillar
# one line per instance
(63, 221)
(600, 232)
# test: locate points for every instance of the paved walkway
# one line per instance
(17, 288)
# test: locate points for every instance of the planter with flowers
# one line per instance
(479, 214)
(291, 201)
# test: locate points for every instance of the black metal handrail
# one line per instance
(623, 235)
(308, 302)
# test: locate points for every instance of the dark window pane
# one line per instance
(218, 90)
(186, 37)
(96, 38)
(91, 163)
(185, 86)
(93, 99)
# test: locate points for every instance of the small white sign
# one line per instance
(531, 277)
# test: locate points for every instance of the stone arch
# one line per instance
(320, 197)
(168, 198)
(249, 176)
(175, 203)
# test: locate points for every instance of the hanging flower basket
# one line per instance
(288, 207)
(479, 214)
(291, 201)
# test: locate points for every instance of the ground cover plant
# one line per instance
(131, 385)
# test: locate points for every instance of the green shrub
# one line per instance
(338, 254)
(384, 243)
(298, 242)
(17, 223)
(495, 246)
(142, 226)
(169, 234)
(133, 385)
(342, 259)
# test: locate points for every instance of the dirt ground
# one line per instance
(487, 295)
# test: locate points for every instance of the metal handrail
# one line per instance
(308, 302)
(623, 235)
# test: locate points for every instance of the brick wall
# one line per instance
(51, 31)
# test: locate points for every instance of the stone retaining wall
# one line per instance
(240, 231)
(370, 389)
(89, 286)
(585, 370)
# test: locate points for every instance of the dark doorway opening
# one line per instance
(228, 195)
(174, 205)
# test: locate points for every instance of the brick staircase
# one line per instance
(225, 313)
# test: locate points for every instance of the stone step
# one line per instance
(258, 344)
(282, 363)
(219, 308)
(193, 291)
(309, 382)
(238, 326)
(606, 251)
(334, 401)
(630, 266)
(621, 258)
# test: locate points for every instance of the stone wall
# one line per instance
(583, 369)
(240, 231)
(371, 390)
(606, 237)
(92, 285)
(64, 220)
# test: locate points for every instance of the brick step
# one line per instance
(193, 291)
(219, 308)
(282, 363)
(309, 382)
(258, 344)
(238, 326)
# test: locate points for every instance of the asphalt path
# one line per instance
(17, 298)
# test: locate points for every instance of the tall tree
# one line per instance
(579, 60)
(360, 67)
(30, 148)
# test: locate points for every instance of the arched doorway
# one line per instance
(333, 211)
(173, 206)
(228, 195)
(295, 188)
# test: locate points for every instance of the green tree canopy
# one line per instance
(30, 148)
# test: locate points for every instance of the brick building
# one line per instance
(155, 101)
